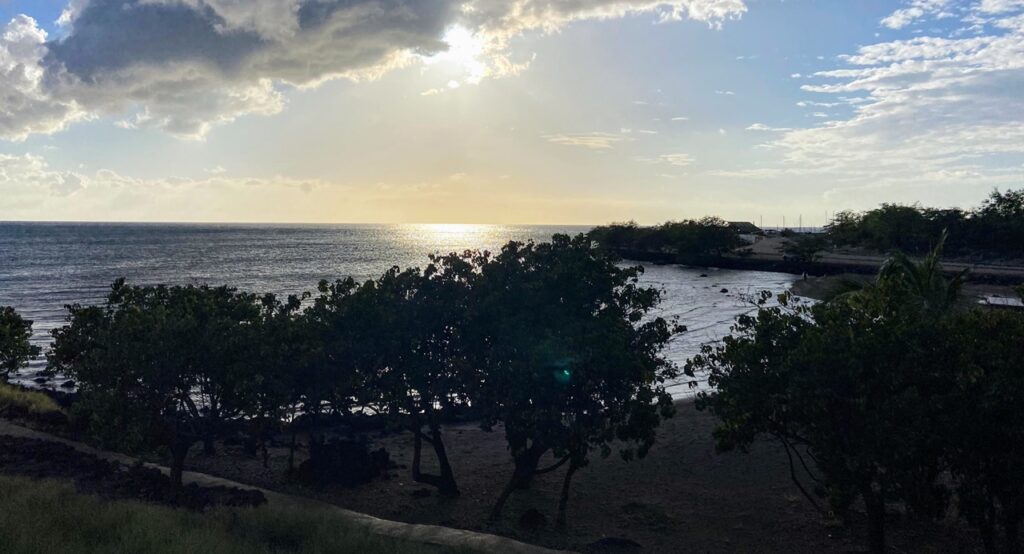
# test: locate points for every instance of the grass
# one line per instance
(34, 402)
(51, 517)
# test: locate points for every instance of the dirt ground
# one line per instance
(682, 498)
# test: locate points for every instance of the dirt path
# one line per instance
(426, 534)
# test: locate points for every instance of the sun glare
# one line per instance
(464, 56)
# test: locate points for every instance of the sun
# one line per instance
(465, 55)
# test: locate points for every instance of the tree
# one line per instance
(15, 348)
(400, 336)
(280, 354)
(165, 361)
(699, 241)
(848, 386)
(805, 249)
(571, 360)
(983, 423)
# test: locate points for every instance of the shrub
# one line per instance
(15, 348)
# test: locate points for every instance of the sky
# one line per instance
(504, 111)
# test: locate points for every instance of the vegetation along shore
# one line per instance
(522, 393)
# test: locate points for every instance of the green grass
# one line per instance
(51, 517)
(34, 402)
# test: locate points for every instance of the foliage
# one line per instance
(805, 248)
(572, 362)
(996, 228)
(401, 337)
(554, 341)
(703, 239)
(983, 423)
(15, 348)
(847, 386)
(49, 516)
(167, 362)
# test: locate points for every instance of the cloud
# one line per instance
(185, 66)
(678, 160)
(917, 10)
(593, 141)
(24, 108)
(761, 127)
(29, 175)
(935, 110)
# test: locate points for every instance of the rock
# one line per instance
(703, 274)
(723, 291)
(616, 543)
(343, 462)
(532, 520)
(40, 380)
(69, 384)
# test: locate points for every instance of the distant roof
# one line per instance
(745, 227)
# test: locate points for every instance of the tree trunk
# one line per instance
(447, 487)
(179, 450)
(526, 462)
(208, 448)
(445, 482)
(291, 453)
(564, 500)
(875, 506)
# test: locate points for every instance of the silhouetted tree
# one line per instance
(983, 423)
(166, 361)
(571, 359)
(849, 387)
(15, 348)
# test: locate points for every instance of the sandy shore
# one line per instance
(682, 498)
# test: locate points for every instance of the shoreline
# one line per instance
(829, 265)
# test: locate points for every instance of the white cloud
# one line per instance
(185, 66)
(927, 110)
(28, 176)
(593, 141)
(678, 160)
(25, 108)
(917, 10)
(761, 127)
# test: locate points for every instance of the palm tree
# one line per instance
(923, 282)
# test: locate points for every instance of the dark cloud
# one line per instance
(185, 65)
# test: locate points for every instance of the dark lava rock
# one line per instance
(532, 520)
(40, 380)
(723, 291)
(422, 493)
(703, 274)
(47, 460)
(67, 384)
(616, 543)
(344, 462)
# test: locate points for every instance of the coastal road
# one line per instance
(769, 249)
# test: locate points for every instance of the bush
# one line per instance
(15, 349)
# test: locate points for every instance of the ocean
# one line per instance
(45, 266)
